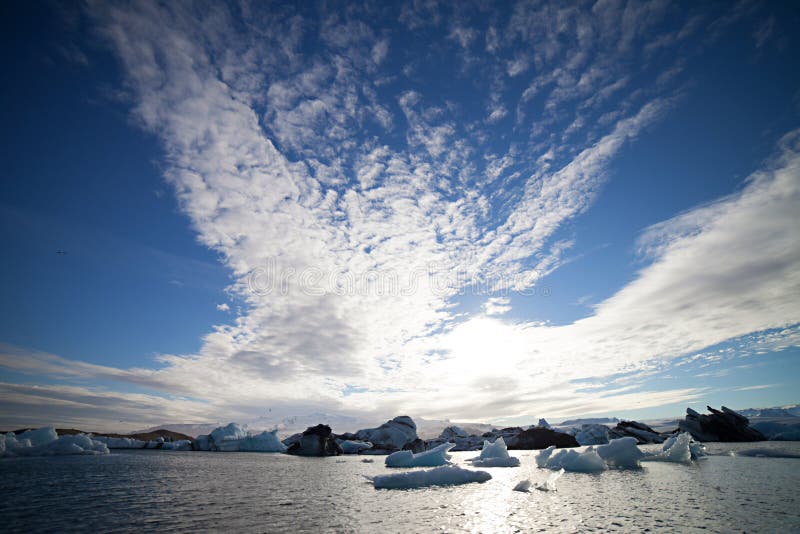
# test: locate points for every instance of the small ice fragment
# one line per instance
(550, 483)
(511, 461)
(354, 446)
(523, 485)
(436, 456)
(768, 453)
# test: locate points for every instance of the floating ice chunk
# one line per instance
(233, 438)
(353, 446)
(675, 449)
(495, 455)
(523, 485)
(440, 476)
(45, 442)
(766, 453)
(511, 461)
(497, 449)
(391, 435)
(587, 461)
(550, 483)
(622, 453)
(436, 456)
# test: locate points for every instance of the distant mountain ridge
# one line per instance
(792, 410)
(589, 421)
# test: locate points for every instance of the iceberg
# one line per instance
(719, 425)
(154, 443)
(398, 434)
(497, 449)
(452, 432)
(675, 449)
(550, 483)
(39, 436)
(316, 440)
(434, 457)
(266, 441)
(227, 433)
(354, 446)
(495, 455)
(233, 438)
(447, 475)
(592, 434)
(543, 423)
(587, 461)
(45, 442)
(621, 453)
(640, 431)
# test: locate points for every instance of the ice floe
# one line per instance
(434, 457)
(447, 475)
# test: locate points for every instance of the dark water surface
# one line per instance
(256, 492)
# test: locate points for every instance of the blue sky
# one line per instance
(483, 212)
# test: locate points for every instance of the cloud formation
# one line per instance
(343, 192)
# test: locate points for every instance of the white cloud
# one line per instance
(265, 148)
(223, 307)
(497, 306)
(757, 387)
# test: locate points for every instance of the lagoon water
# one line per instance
(257, 492)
